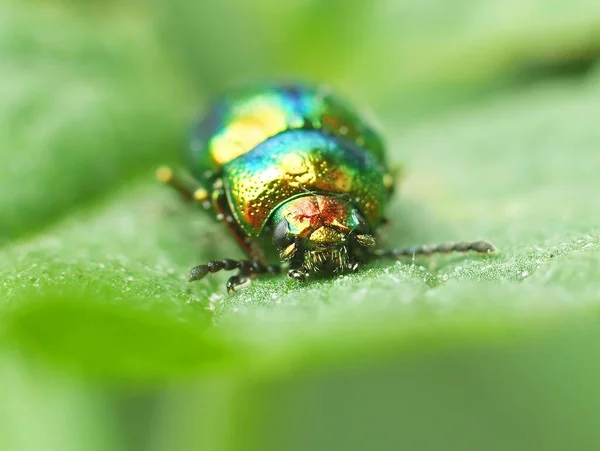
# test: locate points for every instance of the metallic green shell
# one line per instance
(237, 123)
(298, 162)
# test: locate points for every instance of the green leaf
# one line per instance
(107, 294)
(86, 105)
(137, 249)
(430, 55)
(38, 409)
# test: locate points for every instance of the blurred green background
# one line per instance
(491, 107)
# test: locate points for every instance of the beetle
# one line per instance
(292, 168)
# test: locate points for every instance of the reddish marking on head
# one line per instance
(319, 211)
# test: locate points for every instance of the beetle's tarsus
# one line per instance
(234, 282)
(297, 274)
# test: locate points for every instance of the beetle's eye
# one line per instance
(362, 226)
(282, 237)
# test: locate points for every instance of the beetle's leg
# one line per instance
(297, 274)
(221, 206)
(482, 247)
(188, 192)
(247, 268)
(217, 201)
(253, 270)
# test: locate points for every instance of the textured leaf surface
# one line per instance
(94, 254)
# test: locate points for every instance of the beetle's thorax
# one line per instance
(324, 216)
(320, 232)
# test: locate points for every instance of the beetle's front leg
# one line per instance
(247, 269)
(296, 270)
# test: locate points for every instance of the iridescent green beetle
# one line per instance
(292, 168)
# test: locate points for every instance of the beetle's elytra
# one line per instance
(295, 170)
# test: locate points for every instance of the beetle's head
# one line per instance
(320, 233)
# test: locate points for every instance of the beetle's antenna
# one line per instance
(482, 247)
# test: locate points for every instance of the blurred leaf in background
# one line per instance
(430, 55)
(491, 106)
(85, 107)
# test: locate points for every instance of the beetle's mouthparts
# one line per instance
(328, 260)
